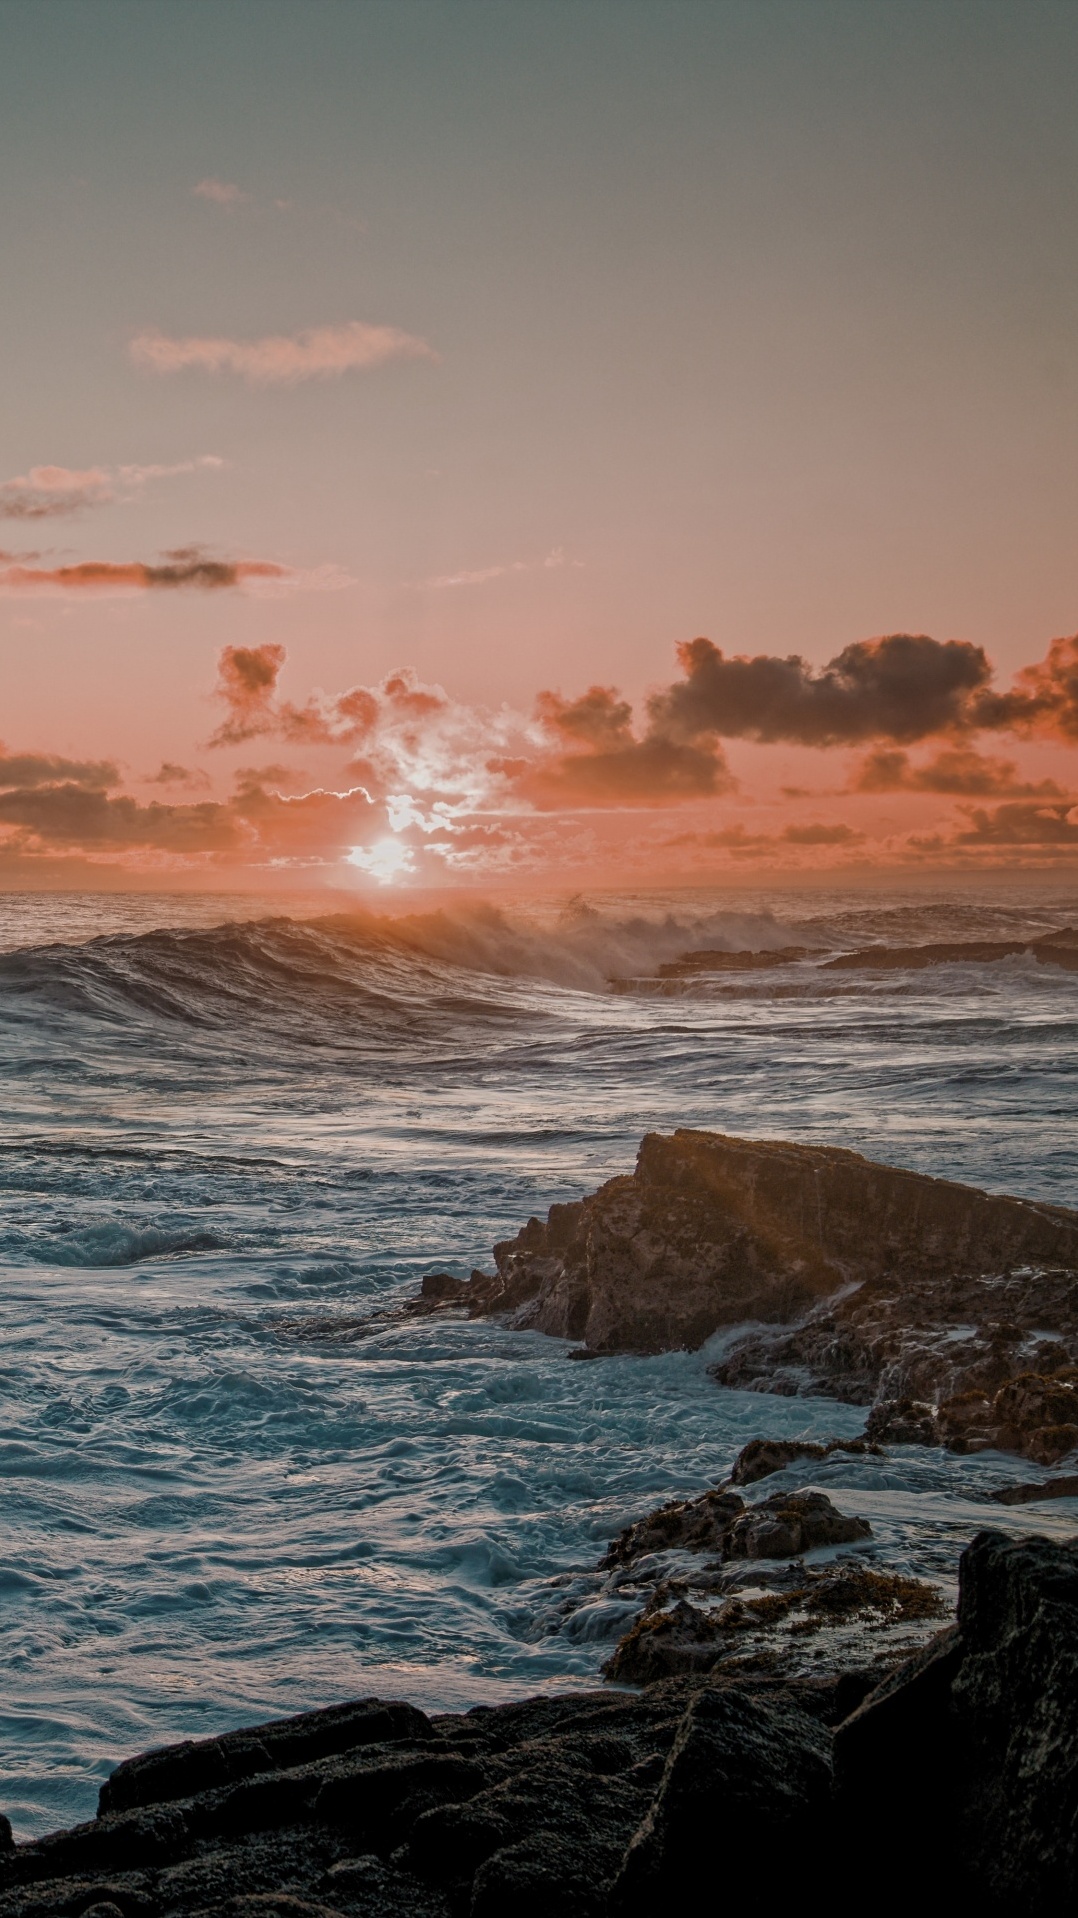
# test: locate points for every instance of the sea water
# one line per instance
(236, 1483)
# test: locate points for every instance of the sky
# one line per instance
(589, 442)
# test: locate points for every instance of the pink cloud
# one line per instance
(279, 359)
(220, 192)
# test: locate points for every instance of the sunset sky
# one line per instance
(487, 444)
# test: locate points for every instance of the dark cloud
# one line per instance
(1022, 823)
(957, 769)
(72, 816)
(59, 805)
(246, 682)
(247, 679)
(740, 844)
(28, 770)
(904, 687)
(819, 834)
(1043, 699)
(604, 764)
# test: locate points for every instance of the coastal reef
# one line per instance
(959, 1771)
(951, 1312)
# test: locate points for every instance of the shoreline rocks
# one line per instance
(953, 1311)
(960, 1770)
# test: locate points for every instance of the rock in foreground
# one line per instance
(959, 1772)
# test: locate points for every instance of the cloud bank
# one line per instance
(426, 785)
(279, 359)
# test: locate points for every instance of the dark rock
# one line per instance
(667, 1644)
(956, 1783)
(761, 1457)
(1013, 1705)
(542, 1875)
(955, 1307)
(782, 1526)
(975, 1744)
(885, 1612)
(1032, 1494)
(1054, 949)
(377, 1802)
(711, 1229)
(906, 958)
(693, 1524)
(903, 1422)
(746, 1782)
(1032, 1415)
(179, 1771)
(894, 1763)
(789, 1523)
(709, 960)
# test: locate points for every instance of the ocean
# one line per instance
(236, 1133)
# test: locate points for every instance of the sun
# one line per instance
(386, 861)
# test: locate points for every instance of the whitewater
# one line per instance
(235, 1136)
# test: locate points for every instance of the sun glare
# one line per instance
(386, 861)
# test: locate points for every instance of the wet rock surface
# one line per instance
(781, 1526)
(710, 1230)
(960, 1770)
(725, 1588)
(952, 1312)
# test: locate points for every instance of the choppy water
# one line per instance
(225, 1146)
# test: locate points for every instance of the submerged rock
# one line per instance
(1032, 1494)
(761, 1457)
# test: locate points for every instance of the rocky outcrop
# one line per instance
(781, 1526)
(970, 1362)
(376, 1809)
(710, 1230)
(974, 1746)
(845, 1613)
(1058, 948)
(951, 1785)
